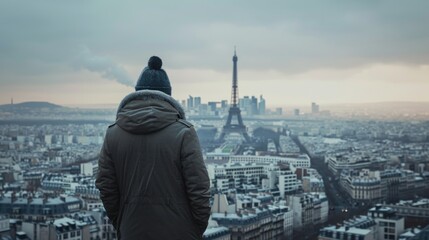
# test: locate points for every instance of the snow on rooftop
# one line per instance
(353, 230)
(214, 230)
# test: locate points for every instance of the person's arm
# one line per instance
(196, 179)
(107, 183)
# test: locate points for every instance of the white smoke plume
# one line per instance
(106, 67)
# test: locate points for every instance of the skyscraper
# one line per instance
(296, 112)
(190, 102)
(253, 106)
(261, 105)
(197, 102)
(314, 108)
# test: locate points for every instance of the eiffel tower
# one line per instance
(234, 110)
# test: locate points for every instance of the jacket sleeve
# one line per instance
(107, 183)
(196, 179)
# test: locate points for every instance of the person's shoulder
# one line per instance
(185, 123)
(110, 128)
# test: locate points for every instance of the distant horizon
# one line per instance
(90, 105)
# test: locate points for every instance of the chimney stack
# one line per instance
(13, 197)
(45, 199)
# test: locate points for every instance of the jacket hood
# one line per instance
(147, 111)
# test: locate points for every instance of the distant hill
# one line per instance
(44, 112)
(30, 105)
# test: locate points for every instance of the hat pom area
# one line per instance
(155, 63)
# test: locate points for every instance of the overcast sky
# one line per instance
(292, 52)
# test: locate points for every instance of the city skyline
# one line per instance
(319, 178)
(292, 53)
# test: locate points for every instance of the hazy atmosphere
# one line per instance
(304, 119)
(292, 52)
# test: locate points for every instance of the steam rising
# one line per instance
(106, 67)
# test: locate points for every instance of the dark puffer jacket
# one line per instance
(152, 178)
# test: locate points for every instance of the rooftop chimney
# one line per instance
(13, 197)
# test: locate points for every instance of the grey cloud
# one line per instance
(287, 36)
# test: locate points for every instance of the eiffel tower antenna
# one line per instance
(234, 110)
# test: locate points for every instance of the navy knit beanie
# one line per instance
(153, 77)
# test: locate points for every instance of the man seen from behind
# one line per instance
(152, 178)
